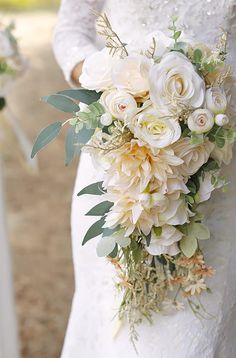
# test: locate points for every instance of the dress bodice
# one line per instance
(131, 19)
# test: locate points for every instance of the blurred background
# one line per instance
(38, 205)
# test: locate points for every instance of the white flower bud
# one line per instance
(216, 100)
(106, 119)
(201, 121)
(221, 120)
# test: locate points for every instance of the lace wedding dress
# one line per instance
(91, 326)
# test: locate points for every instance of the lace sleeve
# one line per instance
(74, 35)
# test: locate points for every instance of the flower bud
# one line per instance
(106, 119)
(221, 120)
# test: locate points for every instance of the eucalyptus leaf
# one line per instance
(105, 246)
(100, 209)
(94, 230)
(82, 95)
(45, 137)
(62, 103)
(114, 253)
(188, 246)
(71, 149)
(108, 232)
(92, 189)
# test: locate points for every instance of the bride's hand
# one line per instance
(76, 73)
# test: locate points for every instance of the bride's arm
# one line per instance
(74, 36)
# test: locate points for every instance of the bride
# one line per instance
(92, 331)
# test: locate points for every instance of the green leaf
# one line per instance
(192, 186)
(100, 209)
(197, 55)
(211, 165)
(105, 246)
(108, 232)
(94, 230)
(114, 253)
(71, 149)
(46, 136)
(92, 189)
(62, 103)
(188, 246)
(85, 135)
(177, 34)
(199, 231)
(220, 142)
(2, 103)
(82, 95)
(196, 138)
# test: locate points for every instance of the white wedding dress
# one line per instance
(91, 326)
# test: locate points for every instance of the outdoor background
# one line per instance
(38, 205)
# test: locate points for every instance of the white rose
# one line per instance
(216, 100)
(193, 155)
(201, 121)
(206, 188)
(224, 154)
(131, 74)
(119, 103)
(221, 119)
(96, 71)
(174, 81)
(6, 47)
(106, 119)
(166, 243)
(158, 132)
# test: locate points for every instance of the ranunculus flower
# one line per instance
(174, 81)
(216, 100)
(157, 131)
(96, 71)
(119, 103)
(201, 121)
(221, 119)
(6, 47)
(224, 154)
(131, 74)
(193, 155)
(166, 243)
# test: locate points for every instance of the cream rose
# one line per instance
(131, 74)
(216, 100)
(221, 120)
(201, 121)
(174, 81)
(193, 155)
(223, 155)
(119, 103)
(166, 242)
(6, 47)
(96, 71)
(158, 132)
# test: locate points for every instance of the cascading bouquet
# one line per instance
(158, 120)
(11, 62)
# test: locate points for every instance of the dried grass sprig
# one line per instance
(113, 41)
